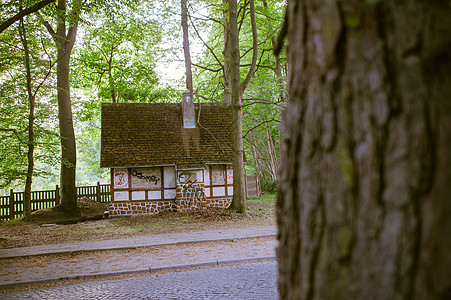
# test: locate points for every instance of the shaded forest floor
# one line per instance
(43, 230)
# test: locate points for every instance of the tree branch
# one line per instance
(208, 47)
(23, 13)
(206, 68)
(258, 125)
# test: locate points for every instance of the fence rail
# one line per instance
(12, 206)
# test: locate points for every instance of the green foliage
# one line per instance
(14, 104)
(268, 185)
(122, 42)
(264, 97)
(117, 59)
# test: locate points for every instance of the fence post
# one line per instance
(57, 195)
(11, 205)
(98, 192)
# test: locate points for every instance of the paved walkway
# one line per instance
(86, 260)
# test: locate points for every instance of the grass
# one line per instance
(264, 198)
(11, 223)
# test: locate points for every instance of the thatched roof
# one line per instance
(143, 134)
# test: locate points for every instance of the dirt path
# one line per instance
(22, 234)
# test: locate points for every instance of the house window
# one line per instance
(169, 177)
(145, 178)
(218, 180)
(170, 191)
(218, 174)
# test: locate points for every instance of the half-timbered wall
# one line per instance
(153, 189)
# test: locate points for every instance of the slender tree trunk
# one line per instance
(257, 163)
(110, 77)
(364, 197)
(69, 154)
(188, 72)
(31, 104)
(227, 55)
(68, 165)
(273, 163)
(237, 113)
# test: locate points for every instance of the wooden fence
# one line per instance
(11, 206)
(253, 189)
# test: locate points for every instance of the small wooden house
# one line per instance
(166, 156)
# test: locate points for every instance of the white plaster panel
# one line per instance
(169, 177)
(218, 191)
(230, 190)
(154, 195)
(120, 178)
(121, 196)
(170, 194)
(141, 195)
(207, 192)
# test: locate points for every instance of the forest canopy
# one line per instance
(128, 51)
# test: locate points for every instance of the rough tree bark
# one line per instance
(364, 197)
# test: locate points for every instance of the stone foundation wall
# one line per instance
(190, 196)
(140, 208)
(218, 202)
(190, 205)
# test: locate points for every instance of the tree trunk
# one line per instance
(364, 196)
(237, 113)
(68, 151)
(110, 77)
(273, 163)
(31, 103)
(227, 55)
(189, 74)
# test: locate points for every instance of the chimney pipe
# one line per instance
(189, 120)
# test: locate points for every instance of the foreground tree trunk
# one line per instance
(364, 196)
